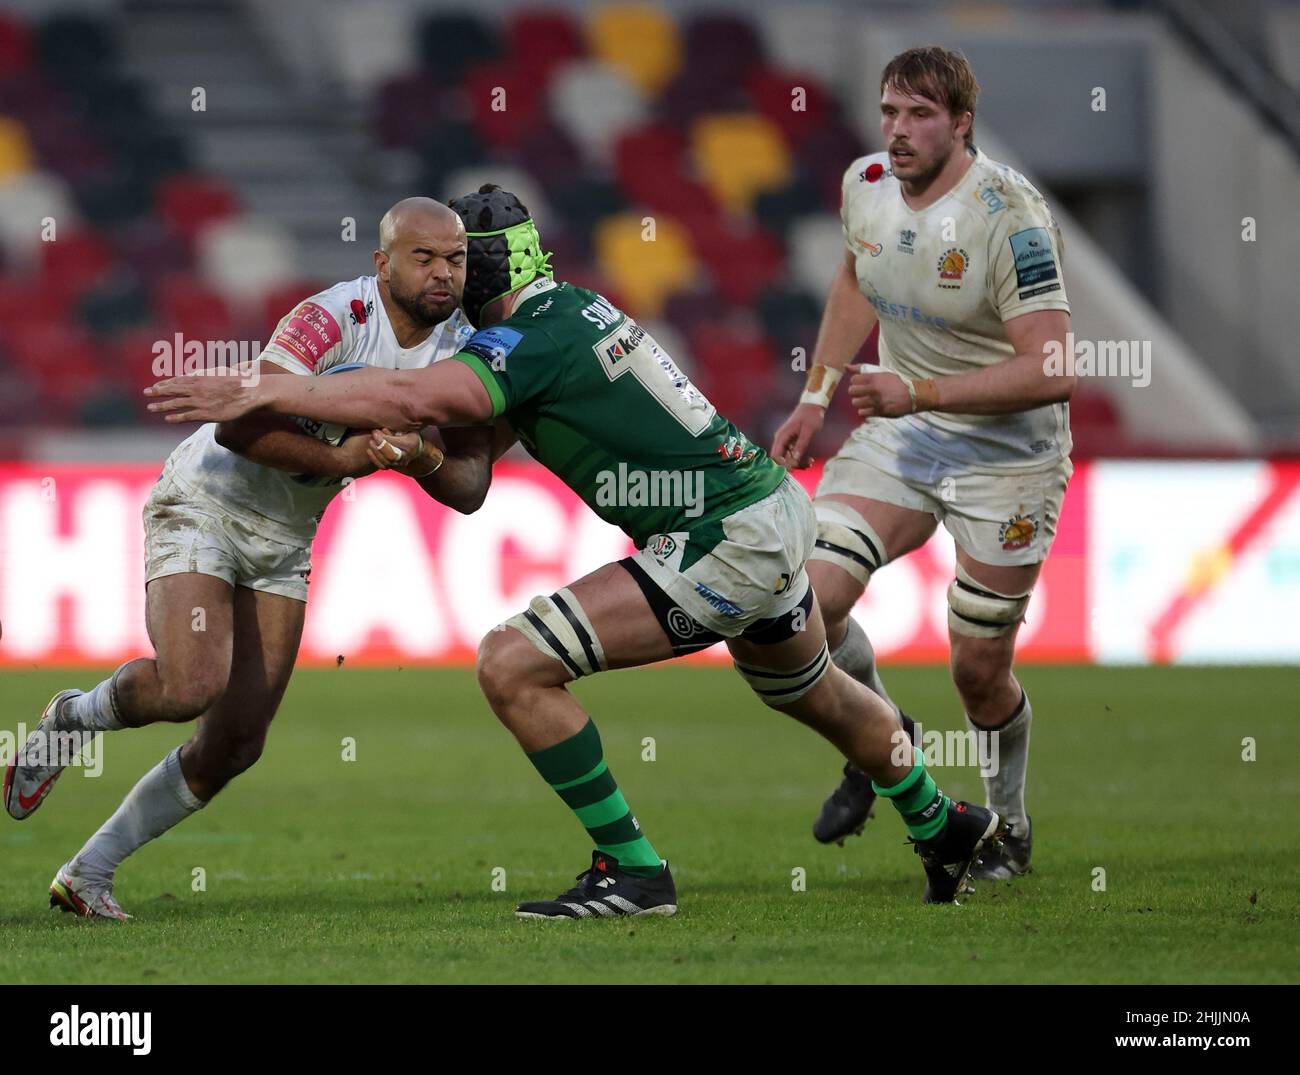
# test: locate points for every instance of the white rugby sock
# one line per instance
(856, 657)
(96, 710)
(1005, 791)
(160, 800)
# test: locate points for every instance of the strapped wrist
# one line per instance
(923, 393)
(821, 384)
(426, 462)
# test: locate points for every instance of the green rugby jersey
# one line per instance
(602, 406)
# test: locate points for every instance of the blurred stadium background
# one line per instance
(197, 168)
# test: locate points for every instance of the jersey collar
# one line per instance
(532, 291)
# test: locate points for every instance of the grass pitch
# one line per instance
(381, 869)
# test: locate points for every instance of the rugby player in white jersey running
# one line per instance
(228, 534)
(958, 259)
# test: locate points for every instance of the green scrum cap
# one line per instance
(505, 251)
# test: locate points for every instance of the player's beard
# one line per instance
(919, 171)
(923, 171)
(421, 308)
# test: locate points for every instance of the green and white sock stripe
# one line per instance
(923, 806)
(576, 771)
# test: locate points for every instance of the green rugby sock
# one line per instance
(576, 770)
(918, 799)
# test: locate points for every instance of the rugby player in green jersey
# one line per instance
(723, 534)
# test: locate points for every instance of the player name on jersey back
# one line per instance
(596, 400)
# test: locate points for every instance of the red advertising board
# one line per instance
(397, 578)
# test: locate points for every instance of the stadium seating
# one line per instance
(713, 129)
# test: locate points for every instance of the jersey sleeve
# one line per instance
(516, 365)
(1025, 261)
(850, 188)
(311, 338)
(858, 180)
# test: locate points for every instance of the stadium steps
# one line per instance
(258, 132)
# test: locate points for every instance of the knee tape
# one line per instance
(845, 539)
(781, 688)
(558, 627)
(979, 612)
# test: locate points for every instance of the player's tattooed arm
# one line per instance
(276, 441)
(441, 394)
(1021, 383)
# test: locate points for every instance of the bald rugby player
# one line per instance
(229, 530)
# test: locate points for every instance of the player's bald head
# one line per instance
(421, 259)
(413, 217)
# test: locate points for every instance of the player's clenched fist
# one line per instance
(406, 453)
(880, 395)
(202, 399)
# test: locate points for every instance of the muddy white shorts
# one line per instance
(184, 533)
(1004, 517)
(754, 573)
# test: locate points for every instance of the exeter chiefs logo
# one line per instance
(1018, 532)
(952, 266)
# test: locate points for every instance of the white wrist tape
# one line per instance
(822, 381)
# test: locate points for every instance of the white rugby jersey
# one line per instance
(943, 280)
(346, 323)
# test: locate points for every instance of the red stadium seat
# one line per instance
(774, 95)
(50, 350)
(503, 102)
(646, 158)
(183, 304)
(540, 40)
(26, 302)
(15, 46)
(75, 263)
(189, 203)
(735, 365)
(744, 261)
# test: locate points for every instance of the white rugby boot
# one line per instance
(84, 895)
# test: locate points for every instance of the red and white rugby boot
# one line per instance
(31, 773)
(84, 895)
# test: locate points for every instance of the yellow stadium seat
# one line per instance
(639, 40)
(15, 149)
(644, 270)
(739, 157)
